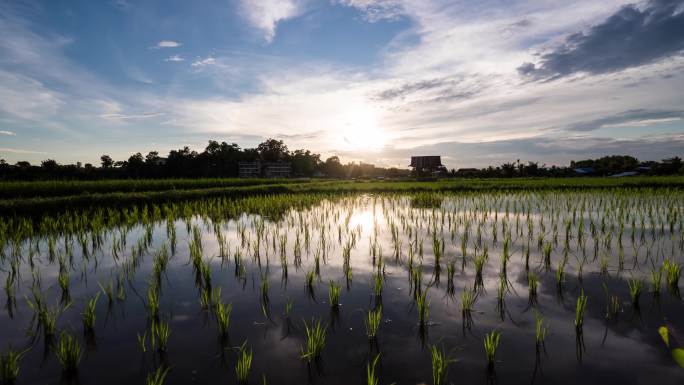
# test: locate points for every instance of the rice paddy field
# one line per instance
(518, 286)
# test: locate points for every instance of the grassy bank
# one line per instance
(154, 191)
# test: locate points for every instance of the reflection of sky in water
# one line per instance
(627, 351)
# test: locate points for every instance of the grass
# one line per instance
(9, 365)
(372, 322)
(68, 353)
(157, 377)
(244, 363)
(491, 344)
(440, 365)
(315, 340)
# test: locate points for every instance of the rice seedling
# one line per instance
(315, 340)
(334, 294)
(532, 285)
(89, 314)
(468, 298)
(673, 272)
(142, 342)
(222, 312)
(372, 322)
(108, 291)
(371, 376)
(423, 306)
(635, 289)
(288, 307)
(546, 254)
(9, 365)
(309, 278)
(580, 308)
(656, 280)
(157, 377)
(68, 353)
(560, 275)
(440, 365)
(491, 344)
(244, 363)
(264, 287)
(540, 330)
(159, 334)
(153, 301)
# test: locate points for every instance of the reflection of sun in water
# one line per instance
(361, 130)
(365, 219)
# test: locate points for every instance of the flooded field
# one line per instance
(511, 288)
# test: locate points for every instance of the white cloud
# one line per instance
(265, 15)
(9, 133)
(375, 10)
(174, 58)
(20, 151)
(203, 62)
(167, 44)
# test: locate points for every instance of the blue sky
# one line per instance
(479, 82)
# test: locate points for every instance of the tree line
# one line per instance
(218, 160)
(223, 159)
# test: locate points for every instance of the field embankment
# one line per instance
(37, 197)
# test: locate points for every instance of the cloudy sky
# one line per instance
(479, 82)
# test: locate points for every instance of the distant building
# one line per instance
(249, 169)
(427, 164)
(258, 169)
(277, 170)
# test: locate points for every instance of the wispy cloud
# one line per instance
(375, 10)
(8, 133)
(20, 151)
(174, 58)
(166, 44)
(203, 62)
(265, 15)
(147, 115)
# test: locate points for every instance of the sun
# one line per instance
(360, 130)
